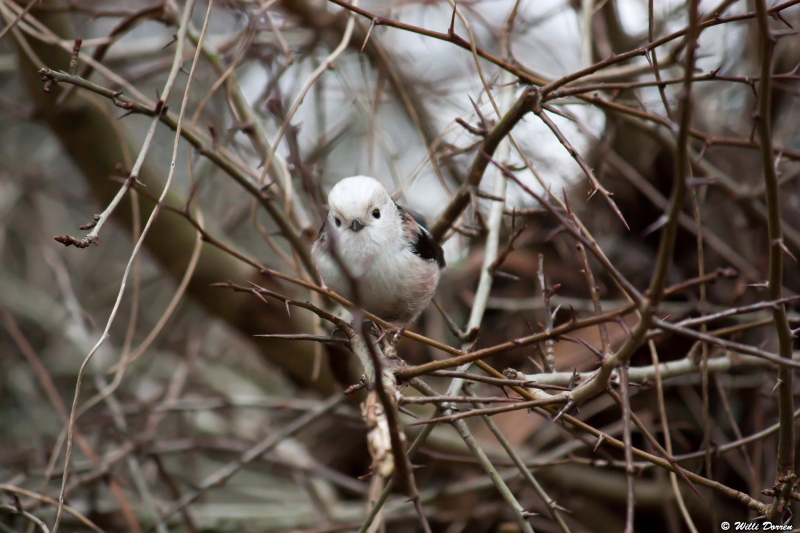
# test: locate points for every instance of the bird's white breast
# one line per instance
(394, 283)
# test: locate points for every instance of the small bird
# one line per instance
(387, 249)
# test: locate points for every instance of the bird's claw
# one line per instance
(338, 333)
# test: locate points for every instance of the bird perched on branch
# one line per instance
(385, 249)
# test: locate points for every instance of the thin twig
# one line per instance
(167, 89)
(786, 451)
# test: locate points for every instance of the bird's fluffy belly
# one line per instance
(395, 286)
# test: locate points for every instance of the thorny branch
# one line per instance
(604, 331)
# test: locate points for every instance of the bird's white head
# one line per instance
(362, 209)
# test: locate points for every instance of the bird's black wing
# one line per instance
(421, 241)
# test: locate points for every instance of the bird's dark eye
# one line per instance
(338, 222)
(376, 213)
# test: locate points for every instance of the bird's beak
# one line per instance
(356, 225)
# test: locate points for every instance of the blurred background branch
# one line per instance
(591, 403)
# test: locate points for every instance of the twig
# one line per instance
(662, 410)
(496, 381)
(593, 291)
(58, 404)
(323, 66)
(405, 400)
(505, 252)
(549, 344)
(489, 411)
(630, 472)
(220, 156)
(491, 141)
(387, 393)
(463, 431)
(170, 309)
(552, 507)
(786, 452)
(733, 494)
(596, 185)
(18, 511)
(304, 337)
(645, 374)
(224, 474)
(167, 89)
(495, 220)
(19, 17)
(730, 345)
(51, 501)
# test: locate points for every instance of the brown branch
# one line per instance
(784, 476)
(491, 141)
(733, 494)
(596, 185)
(208, 149)
(572, 325)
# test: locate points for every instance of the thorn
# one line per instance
(537, 365)
(600, 440)
(573, 377)
(566, 203)
(261, 297)
(569, 404)
(655, 226)
(407, 412)
(172, 41)
(624, 325)
(451, 29)
(777, 384)
(369, 32)
(582, 341)
(785, 249)
(778, 16)
(479, 113)
(616, 210)
(502, 274)
(558, 112)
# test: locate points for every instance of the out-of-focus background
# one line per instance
(287, 98)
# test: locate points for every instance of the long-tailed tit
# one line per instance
(385, 248)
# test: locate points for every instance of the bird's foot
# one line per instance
(396, 336)
(339, 333)
(373, 328)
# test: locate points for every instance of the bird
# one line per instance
(387, 249)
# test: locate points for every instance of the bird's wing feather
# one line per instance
(421, 220)
(421, 241)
